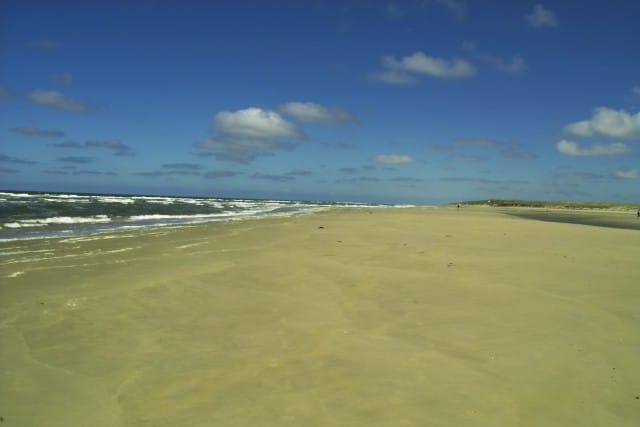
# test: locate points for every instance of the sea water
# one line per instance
(29, 215)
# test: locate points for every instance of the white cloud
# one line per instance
(420, 63)
(607, 122)
(310, 112)
(628, 174)
(571, 148)
(541, 17)
(255, 123)
(244, 135)
(635, 90)
(56, 100)
(393, 159)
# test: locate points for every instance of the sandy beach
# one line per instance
(347, 317)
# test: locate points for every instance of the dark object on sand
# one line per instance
(638, 214)
(320, 227)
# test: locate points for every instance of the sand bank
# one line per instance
(381, 317)
(627, 220)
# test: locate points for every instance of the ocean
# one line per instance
(32, 215)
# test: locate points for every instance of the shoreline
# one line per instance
(583, 216)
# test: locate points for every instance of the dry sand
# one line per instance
(383, 317)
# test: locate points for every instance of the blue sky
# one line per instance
(425, 101)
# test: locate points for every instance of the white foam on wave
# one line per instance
(191, 216)
(191, 245)
(41, 222)
(2, 253)
(95, 237)
(16, 274)
(25, 195)
(66, 199)
(110, 199)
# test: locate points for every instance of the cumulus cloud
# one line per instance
(420, 63)
(31, 131)
(404, 70)
(393, 159)
(255, 123)
(513, 65)
(607, 122)
(628, 174)
(571, 148)
(310, 112)
(55, 99)
(64, 79)
(245, 135)
(541, 17)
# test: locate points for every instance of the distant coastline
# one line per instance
(516, 203)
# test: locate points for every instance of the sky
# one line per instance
(422, 102)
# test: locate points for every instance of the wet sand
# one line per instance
(382, 317)
(600, 218)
